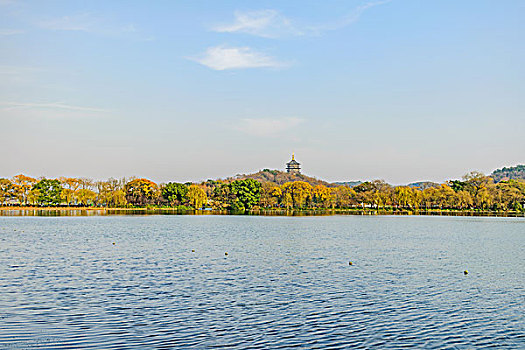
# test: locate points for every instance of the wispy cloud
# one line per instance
(223, 58)
(273, 24)
(86, 22)
(12, 77)
(263, 23)
(15, 70)
(347, 20)
(49, 106)
(265, 127)
(7, 32)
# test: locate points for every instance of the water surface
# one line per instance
(285, 282)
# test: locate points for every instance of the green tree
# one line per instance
(49, 192)
(247, 193)
(457, 185)
(222, 196)
(175, 193)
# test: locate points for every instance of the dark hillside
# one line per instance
(348, 183)
(515, 172)
(281, 177)
(423, 184)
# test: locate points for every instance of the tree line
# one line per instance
(474, 191)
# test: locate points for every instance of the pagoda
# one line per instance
(293, 167)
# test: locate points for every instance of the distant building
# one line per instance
(293, 166)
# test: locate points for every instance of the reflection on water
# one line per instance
(164, 211)
(162, 282)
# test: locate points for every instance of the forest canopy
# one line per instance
(271, 189)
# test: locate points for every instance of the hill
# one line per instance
(515, 172)
(423, 184)
(281, 177)
(348, 183)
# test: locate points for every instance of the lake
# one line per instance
(165, 281)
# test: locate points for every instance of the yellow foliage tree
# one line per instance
(196, 196)
(323, 196)
(23, 185)
(299, 191)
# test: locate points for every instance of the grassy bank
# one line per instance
(87, 211)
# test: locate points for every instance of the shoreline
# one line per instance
(101, 211)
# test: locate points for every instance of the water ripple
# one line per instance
(285, 283)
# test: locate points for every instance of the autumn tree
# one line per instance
(111, 193)
(365, 193)
(323, 196)
(6, 190)
(196, 196)
(511, 194)
(86, 183)
(23, 186)
(268, 198)
(32, 196)
(141, 192)
(429, 196)
(463, 200)
(445, 196)
(70, 185)
(298, 192)
(344, 196)
(480, 187)
(403, 196)
(85, 196)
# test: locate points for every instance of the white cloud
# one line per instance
(273, 24)
(86, 22)
(264, 23)
(223, 58)
(54, 111)
(16, 70)
(6, 32)
(48, 106)
(350, 18)
(267, 127)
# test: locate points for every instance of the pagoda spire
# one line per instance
(293, 166)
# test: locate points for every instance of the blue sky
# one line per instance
(191, 90)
